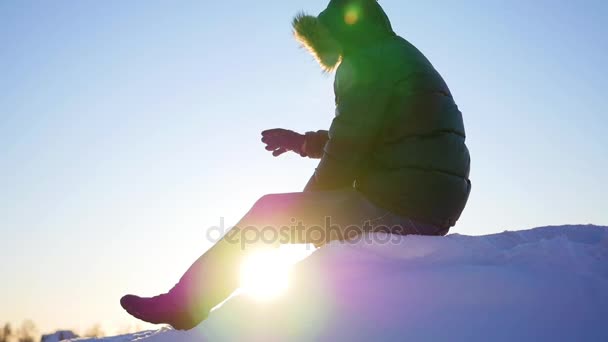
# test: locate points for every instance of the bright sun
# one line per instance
(265, 274)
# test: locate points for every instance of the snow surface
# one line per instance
(58, 336)
(545, 284)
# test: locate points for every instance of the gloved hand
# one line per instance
(280, 140)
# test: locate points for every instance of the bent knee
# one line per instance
(265, 201)
(278, 200)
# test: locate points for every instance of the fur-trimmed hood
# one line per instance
(343, 27)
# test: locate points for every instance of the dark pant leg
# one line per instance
(395, 224)
(310, 217)
(304, 217)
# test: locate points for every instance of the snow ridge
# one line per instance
(544, 284)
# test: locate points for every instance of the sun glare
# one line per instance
(265, 275)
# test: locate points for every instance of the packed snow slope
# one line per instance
(545, 284)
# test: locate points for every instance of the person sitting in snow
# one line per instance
(394, 158)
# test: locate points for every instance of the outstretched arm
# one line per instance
(314, 143)
(280, 140)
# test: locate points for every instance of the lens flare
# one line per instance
(265, 275)
(351, 16)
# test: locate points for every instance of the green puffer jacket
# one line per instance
(398, 136)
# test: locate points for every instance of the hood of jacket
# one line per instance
(342, 28)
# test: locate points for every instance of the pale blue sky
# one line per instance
(129, 127)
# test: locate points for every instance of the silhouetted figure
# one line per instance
(393, 160)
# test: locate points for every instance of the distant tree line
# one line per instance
(25, 333)
(28, 332)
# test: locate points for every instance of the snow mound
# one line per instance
(545, 284)
(58, 336)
